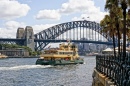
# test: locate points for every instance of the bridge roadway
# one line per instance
(56, 41)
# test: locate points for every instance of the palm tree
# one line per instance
(108, 25)
(115, 13)
(116, 16)
(128, 25)
(123, 4)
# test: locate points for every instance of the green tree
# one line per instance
(14, 46)
(34, 53)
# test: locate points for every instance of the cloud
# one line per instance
(84, 7)
(48, 14)
(7, 33)
(97, 16)
(72, 6)
(10, 29)
(13, 9)
(10, 9)
(76, 6)
(92, 13)
(13, 25)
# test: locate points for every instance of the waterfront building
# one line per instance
(15, 52)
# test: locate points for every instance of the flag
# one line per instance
(83, 18)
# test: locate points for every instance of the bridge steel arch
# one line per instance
(57, 30)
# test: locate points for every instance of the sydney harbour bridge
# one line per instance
(77, 31)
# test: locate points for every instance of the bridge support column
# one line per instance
(29, 36)
(20, 35)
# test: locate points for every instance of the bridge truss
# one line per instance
(75, 30)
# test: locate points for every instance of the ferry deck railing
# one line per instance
(116, 68)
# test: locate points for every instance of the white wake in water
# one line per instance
(24, 67)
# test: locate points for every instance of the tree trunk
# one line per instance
(118, 43)
(118, 40)
(117, 27)
(124, 33)
(124, 6)
(114, 45)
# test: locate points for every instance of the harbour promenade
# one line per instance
(111, 71)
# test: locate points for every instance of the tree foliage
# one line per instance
(15, 46)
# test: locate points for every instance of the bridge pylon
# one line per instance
(20, 33)
(29, 37)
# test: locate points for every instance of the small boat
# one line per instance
(64, 55)
(92, 54)
(2, 56)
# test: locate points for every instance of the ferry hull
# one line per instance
(58, 62)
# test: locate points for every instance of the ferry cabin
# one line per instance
(66, 52)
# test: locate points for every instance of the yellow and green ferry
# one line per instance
(64, 55)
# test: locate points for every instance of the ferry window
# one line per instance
(73, 46)
(66, 46)
(61, 52)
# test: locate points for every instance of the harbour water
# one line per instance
(24, 72)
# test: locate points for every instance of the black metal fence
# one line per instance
(116, 68)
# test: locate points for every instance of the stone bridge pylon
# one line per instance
(28, 35)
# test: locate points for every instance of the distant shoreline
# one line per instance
(23, 57)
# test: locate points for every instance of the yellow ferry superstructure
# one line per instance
(65, 54)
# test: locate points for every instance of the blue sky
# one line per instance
(42, 14)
